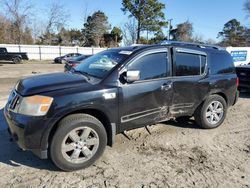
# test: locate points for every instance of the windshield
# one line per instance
(100, 64)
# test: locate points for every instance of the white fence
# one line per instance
(42, 52)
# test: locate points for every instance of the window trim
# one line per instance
(149, 52)
(189, 51)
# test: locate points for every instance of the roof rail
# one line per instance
(199, 45)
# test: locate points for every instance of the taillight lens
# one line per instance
(237, 82)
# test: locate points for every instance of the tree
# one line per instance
(117, 35)
(183, 32)
(4, 25)
(158, 37)
(233, 34)
(95, 27)
(18, 12)
(129, 32)
(197, 38)
(113, 38)
(247, 7)
(56, 20)
(148, 13)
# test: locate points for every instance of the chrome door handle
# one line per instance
(166, 86)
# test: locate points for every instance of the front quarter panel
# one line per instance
(104, 100)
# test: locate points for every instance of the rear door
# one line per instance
(190, 83)
(146, 101)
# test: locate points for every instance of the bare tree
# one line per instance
(197, 38)
(129, 32)
(211, 41)
(57, 18)
(18, 11)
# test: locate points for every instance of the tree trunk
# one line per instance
(138, 32)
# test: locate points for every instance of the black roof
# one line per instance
(202, 47)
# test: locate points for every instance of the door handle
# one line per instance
(166, 86)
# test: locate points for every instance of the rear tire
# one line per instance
(211, 113)
(79, 141)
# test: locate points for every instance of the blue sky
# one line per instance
(207, 16)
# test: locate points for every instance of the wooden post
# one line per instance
(40, 53)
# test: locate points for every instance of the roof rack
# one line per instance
(199, 45)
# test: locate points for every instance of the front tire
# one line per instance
(211, 113)
(79, 141)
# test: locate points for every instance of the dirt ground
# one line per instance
(173, 155)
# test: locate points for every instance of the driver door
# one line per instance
(147, 100)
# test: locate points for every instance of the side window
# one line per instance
(187, 64)
(2, 50)
(221, 63)
(151, 66)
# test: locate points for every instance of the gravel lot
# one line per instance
(174, 155)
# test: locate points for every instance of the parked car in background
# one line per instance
(71, 117)
(66, 57)
(15, 57)
(74, 62)
(243, 73)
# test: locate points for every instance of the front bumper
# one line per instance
(27, 131)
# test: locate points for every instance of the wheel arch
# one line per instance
(223, 95)
(101, 116)
(17, 56)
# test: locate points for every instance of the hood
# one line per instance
(49, 82)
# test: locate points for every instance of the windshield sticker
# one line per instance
(125, 52)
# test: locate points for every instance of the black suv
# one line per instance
(72, 116)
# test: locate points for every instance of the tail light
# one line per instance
(237, 82)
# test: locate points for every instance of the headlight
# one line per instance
(35, 105)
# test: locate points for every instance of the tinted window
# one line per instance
(189, 64)
(151, 66)
(221, 63)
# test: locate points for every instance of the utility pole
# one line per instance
(170, 27)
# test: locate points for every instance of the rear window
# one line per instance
(221, 63)
(187, 64)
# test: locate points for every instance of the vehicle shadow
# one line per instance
(12, 155)
(183, 123)
(5, 62)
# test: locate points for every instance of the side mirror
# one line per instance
(132, 75)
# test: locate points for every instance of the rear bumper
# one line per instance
(25, 131)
